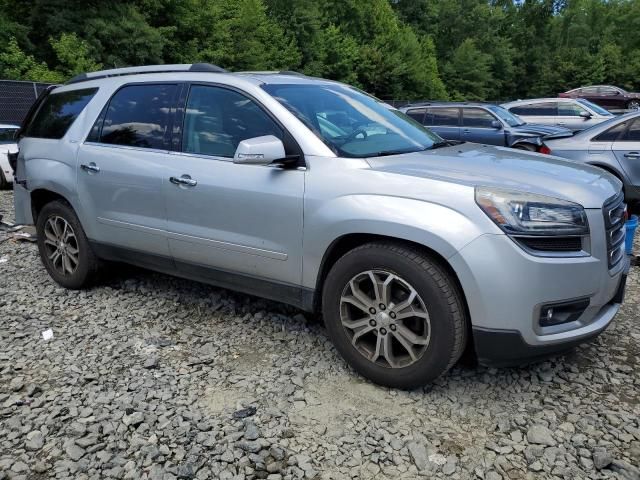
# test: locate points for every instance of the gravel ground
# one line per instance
(148, 376)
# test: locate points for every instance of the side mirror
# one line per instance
(585, 115)
(496, 124)
(259, 151)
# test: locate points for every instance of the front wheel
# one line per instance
(64, 248)
(633, 105)
(394, 314)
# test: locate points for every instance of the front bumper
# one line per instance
(506, 289)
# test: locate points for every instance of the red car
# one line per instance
(607, 96)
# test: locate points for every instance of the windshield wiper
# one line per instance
(445, 143)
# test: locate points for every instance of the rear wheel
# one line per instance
(394, 314)
(64, 248)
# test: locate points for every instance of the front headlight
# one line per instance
(527, 214)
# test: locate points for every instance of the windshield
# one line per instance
(596, 108)
(351, 123)
(506, 116)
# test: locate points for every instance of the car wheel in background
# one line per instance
(395, 314)
(633, 105)
(64, 248)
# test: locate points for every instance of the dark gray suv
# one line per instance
(481, 123)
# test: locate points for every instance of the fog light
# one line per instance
(562, 312)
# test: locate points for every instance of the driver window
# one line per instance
(566, 109)
(217, 119)
(476, 117)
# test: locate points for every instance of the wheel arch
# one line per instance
(42, 196)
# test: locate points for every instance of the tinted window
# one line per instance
(547, 109)
(632, 134)
(218, 119)
(608, 91)
(58, 112)
(612, 134)
(589, 91)
(417, 114)
(476, 117)
(566, 109)
(444, 117)
(596, 108)
(7, 135)
(138, 116)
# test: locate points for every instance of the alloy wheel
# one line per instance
(385, 318)
(634, 105)
(61, 245)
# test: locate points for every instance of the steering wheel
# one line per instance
(354, 134)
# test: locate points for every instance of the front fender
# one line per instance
(435, 226)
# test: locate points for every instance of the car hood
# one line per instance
(537, 129)
(483, 165)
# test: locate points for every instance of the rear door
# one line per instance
(627, 151)
(121, 168)
(611, 97)
(477, 127)
(445, 121)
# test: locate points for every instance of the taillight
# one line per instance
(544, 149)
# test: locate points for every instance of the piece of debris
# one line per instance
(47, 334)
(151, 362)
(4, 259)
(24, 236)
(245, 412)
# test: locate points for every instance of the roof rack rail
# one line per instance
(181, 67)
(272, 72)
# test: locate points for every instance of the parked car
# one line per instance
(309, 192)
(574, 114)
(613, 145)
(606, 96)
(480, 123)
(7, 146)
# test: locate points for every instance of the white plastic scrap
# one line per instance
(47, 334)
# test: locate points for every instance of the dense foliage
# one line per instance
(396, 49)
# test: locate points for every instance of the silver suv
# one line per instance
(312, 193)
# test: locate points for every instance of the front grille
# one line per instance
(614, 212)
(552, 244)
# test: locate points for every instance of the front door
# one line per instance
(120, 170)
(234, 218)
(477, 126)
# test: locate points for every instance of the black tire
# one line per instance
(441, 297)
(526, 148)
(4, 185)
(87, 266)
(633, 105)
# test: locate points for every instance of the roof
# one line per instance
(283, 76)
(536, 100)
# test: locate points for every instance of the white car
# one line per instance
(7, 145)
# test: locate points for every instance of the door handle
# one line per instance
(632, 155)
(183, 180)
(92, 167)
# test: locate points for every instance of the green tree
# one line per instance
(73, 55)
(17, 65)
(468, 73)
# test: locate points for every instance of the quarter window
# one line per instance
(218, 119)
(138, 116)
(58, 112)
(612, 134)
(476, 117)
(444, 117)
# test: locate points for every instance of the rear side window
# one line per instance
(612, 134)
(476, 117)
(536, 109)
(417, 114)
(632, 134)
(137, 116)
(58, 112)
(443, 117)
